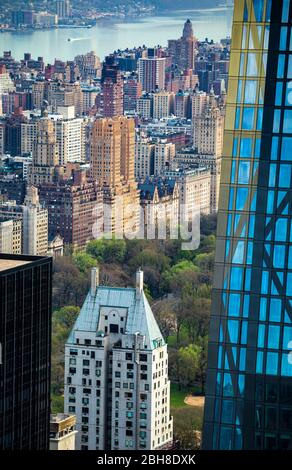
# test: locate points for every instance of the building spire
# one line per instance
(188, 32)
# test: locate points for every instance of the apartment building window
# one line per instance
(87, 342)
(86, 362)
(72, 370)
(83, 447)
(71, 409)
(73, 352)
(84, 420)
(118, 384)
(72, 390)
(143, 357)
(129, 356)
(72, 361)
(85, 410)
(87, 391)
(84, 428)
(69, 380)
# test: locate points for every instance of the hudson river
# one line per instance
(110, 35)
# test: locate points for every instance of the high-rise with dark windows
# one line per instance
(249, 378)
(25, 344)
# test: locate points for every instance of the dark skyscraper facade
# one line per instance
(25, 346)
(249, 378)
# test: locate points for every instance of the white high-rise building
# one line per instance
(163, 104)
(116, 372)
(144, 158)
(164, 156)
(69, 136)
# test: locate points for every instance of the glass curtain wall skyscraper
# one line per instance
(249, 378)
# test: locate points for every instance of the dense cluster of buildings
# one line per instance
(116, 386)
(128, 147)
(87, 138)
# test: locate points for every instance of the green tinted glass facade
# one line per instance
(249, 379)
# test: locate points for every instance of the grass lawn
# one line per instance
(185, 417)
(177, 397)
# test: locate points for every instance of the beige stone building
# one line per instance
(194, 189)
(34, 222)
(112, 167)
(144, 158)
(163, 104)
(188, 157)
(45, 153)
(208, 131)
(11, 236)
(163, 156)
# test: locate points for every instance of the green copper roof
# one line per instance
(140, 317)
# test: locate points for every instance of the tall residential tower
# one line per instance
(116, 372)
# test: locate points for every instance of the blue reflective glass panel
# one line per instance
(273, 337)
(287, 126)
(248, 118)
(246, 147)
(272, 363)
(281, 66)
(275, 310)
(287, 338)
(227, 411)
(286, 151)
(250, 92)
(285, 176)
(243, 172)
(241, 199)
(286, 366)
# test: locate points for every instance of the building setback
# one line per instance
(249, 377)
(25, 341)
(116, 372)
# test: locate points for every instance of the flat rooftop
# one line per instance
(11, 263)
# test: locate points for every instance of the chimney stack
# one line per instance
(139, 282)
(94, 280)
